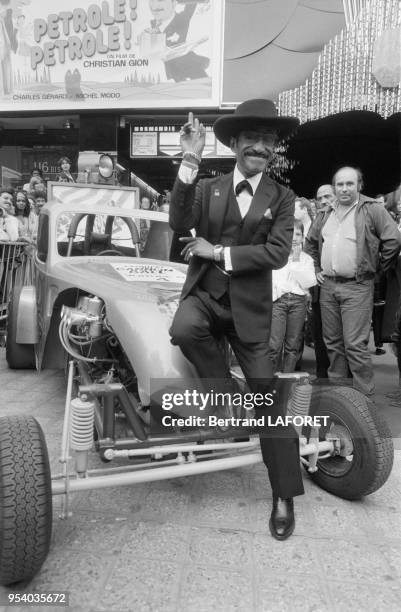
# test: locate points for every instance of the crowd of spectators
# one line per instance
(19, 210)
(297, 288)
(20, 207)
(334, 291)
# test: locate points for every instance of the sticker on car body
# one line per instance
(149, 272)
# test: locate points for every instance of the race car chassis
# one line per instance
(192, 452)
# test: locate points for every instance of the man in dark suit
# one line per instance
(244, 226)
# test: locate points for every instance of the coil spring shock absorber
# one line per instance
(81, 431)
(300, 402)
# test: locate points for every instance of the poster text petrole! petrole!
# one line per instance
(82, 34)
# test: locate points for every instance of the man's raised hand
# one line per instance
(192, 136)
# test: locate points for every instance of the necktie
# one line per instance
(243, 185)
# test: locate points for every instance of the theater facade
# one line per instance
(119, 77)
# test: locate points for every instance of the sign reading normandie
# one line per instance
(109, 53)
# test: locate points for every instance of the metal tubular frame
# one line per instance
(215, 455)
(59, 487)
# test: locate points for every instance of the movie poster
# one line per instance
(109, 53)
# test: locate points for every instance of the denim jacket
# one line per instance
(378, 240)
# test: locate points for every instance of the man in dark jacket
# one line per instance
(244, 225)
(345, 241)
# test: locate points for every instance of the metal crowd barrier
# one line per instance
(16, 269)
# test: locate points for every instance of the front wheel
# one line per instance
(25, 499)
(366, 449)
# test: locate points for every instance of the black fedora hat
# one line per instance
(251, 114)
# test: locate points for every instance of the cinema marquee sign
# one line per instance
(110, 53)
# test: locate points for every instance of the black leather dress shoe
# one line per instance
(282, 520)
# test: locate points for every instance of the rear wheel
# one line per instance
(25, 499)
(19, 356)
(366, 447)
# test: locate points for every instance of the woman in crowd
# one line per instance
(290, 288)
(65, 175)
(9, 223)
(23, 216)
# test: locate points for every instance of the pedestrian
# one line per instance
(36, 185)
(144, 224)
(344, 242)
(23, 216)
(379, 299)
(290, 291)
(65, 175)
(395, 288)
(393, 205)
(324, 197)
(35, 173)
(38, 202)
(4, 237)
(9, 222)
(381, 198)
(303, 213)
(244, 227)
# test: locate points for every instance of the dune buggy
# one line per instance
(102, 312)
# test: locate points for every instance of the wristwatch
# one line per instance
(218, 252)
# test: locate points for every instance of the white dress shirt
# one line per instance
(295, 277)
(339, 250)
(244, 199)
(188, 175)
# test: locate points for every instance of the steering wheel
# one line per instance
(110, 252)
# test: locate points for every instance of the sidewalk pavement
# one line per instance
(202, 543)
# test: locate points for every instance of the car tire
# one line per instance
(356, 420)
(25, 499)
(18, 356)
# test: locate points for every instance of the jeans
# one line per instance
(379, 295)
(322, 359)
(346, 317)
(288, 319)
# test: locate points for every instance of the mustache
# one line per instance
(263, 154)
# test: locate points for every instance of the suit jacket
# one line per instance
(378, 240)
(264, 245)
